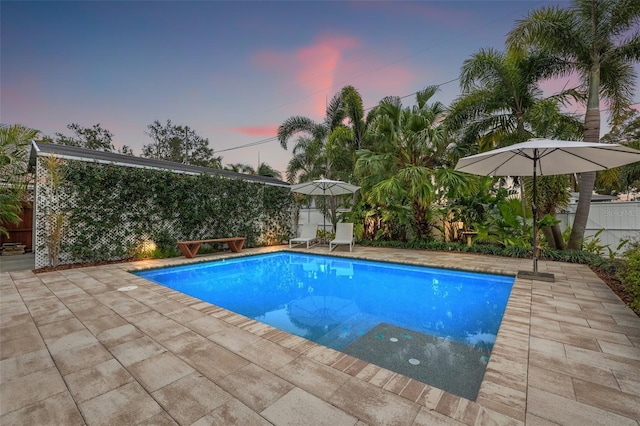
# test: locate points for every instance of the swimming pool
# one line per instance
(435, 325)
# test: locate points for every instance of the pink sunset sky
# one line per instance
(232, 71)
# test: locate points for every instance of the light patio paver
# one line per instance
(191, 398)
(298, 404)
(77, 351)
(126, 405)
(93, 381)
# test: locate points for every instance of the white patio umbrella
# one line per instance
(322, 311)
(547, 157)
(324, 187)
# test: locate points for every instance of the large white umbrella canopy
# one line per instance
(324, 187)
(551, 157)
(547, 157)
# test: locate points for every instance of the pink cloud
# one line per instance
(312, 68)
(374, 76)
(258, 131)
(316, 72)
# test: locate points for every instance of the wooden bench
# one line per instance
(190, 248)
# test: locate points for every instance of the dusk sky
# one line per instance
(232, 71)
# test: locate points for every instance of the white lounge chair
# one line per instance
(308, 234)
(344, 235)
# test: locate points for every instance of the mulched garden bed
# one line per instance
(81, 265)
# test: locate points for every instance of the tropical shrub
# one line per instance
(630, 274)
(14, 142)
(504, 225)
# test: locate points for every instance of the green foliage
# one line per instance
(95, 138)
(14, 142)
(114, 212)
(9, 210)
(503, 225)
(404, 165)
(326, 235)
(521, 252)
(630, 274)
(165, 241)
(517, 251)
(592, 243)
(473, 206)
(180, 144)
(54, 219)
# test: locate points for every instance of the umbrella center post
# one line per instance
(542, 276)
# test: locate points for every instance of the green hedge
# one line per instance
(112, 211)
(630, 275)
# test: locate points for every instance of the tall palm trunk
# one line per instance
(587, 180)
(422, 227)
(557, 237)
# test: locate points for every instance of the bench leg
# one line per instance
(189, 252)
(235, 246)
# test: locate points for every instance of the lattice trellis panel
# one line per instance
(50, 203)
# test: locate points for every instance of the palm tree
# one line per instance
(332, 142)
(241, 168)
(266, 170)
(625, 130)
(328, 148)
(553, 191)
(596, 40)
(14, 143)
(306, 162)
(319, 132)
(501, 104)
(404, 169)
(499, 92)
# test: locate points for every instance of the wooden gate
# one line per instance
(23, 232)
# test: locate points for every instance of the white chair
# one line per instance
(308, 234)
(344, 235)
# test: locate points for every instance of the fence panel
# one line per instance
(620, 221)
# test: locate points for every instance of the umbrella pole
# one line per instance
(535, 217)
(542, 276)
(324, 215)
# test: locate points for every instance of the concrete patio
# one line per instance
(76, 350)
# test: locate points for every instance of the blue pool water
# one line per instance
(380, 312)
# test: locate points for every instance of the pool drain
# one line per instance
(414, 361)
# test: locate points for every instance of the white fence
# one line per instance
(620, 221)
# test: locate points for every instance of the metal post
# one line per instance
(541, 276)
(535, 212)
(186, 145)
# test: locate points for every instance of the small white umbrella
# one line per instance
(324, 187)
(322, 311)
(547, 157)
